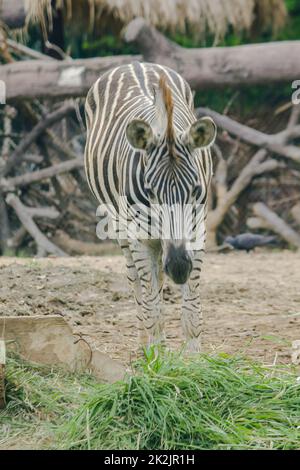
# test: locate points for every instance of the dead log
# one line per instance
(44, 245)
(78, 247)
(9, 184)
(65, 153)
(4, 225)
(49, 139)
(27, 51)
(213, 67)
(35, 79)
(227, 197)
(203, 68)
(276, 143)
(266, 218)
(43, 212)
(40, 127)
(30, 158)
(295, 211)
(258, 165)
(17, 238)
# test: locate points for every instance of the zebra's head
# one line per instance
(177, 171)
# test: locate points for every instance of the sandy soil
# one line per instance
(251, 303)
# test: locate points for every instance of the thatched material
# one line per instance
(201, 17)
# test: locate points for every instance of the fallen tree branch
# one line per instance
(276, 143)
(266, 218)
(50, 139)
(43, 212)
(9, 184)
(78, 247)
(227, 197)
(213, 67)
(4, 224)
(295, 211)
(24, 50)
(35, 79)
(44, 245)
(40, 127)
(203, 68)
(14, 241)
(17, 238)
(30, 158)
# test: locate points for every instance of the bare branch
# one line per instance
(40, 127)
(24, 50)
(218, 66)
(274, 143)
(8, 184)
(43, 212)
(36, 79)
(294, 116)
(272, 221)
(295, 211)
(43, 244)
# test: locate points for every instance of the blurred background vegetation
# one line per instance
(81, 29)
(84, 42)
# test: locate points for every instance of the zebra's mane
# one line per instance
(169, 106)
(164, 105)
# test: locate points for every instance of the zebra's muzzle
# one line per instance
(178, 264)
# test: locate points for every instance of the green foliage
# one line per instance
(243, 101)
(167, 402)
(219, 402)
(292, 29)
(290, 32)
(38, 399)
(107, 45)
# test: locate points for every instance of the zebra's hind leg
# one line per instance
(191, 318)
(150, 275)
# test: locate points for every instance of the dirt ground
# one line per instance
(251, 302)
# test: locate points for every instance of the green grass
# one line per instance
(168, 402)
(39, 400)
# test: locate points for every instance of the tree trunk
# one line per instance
(211, 238)
(4, 225)
(35, 79)
(266, 218)
(203, 68)
(213, 67)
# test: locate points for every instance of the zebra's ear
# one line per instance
(202, 133)
(139, 134)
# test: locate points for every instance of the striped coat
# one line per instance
(145, 146)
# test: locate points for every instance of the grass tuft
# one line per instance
(168, 402)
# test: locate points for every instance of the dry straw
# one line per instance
(201, 17)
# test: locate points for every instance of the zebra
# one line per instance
(145, 146)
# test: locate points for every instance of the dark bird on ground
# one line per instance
(248, 241)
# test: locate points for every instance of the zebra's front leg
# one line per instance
(135, 285)
(149, 271)
(192, 319)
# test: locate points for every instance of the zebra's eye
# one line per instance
(197, 191)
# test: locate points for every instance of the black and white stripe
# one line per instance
(118, 172)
